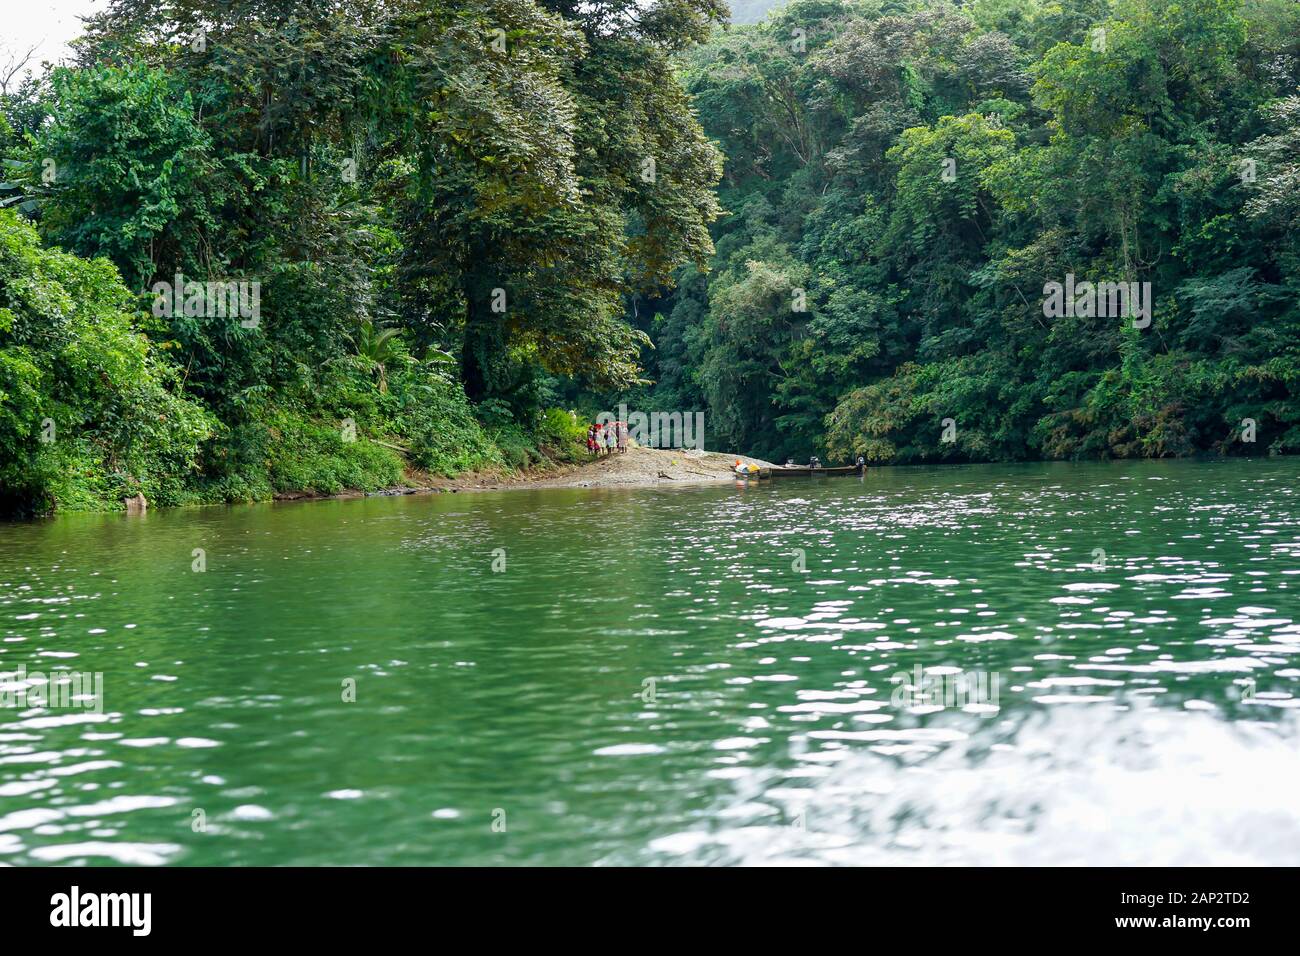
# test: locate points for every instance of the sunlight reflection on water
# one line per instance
(1088, 788)
(672, 676)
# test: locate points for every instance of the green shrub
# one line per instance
(518, 449)
(312, 456)
(90, 412)
(562, 435)
(438, 424)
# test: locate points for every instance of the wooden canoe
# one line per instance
(804, 472)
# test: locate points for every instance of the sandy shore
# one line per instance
(637, 468)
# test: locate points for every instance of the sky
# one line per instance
(49, 23)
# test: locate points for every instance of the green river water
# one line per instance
(677, 675)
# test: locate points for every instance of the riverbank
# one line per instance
(638, 468)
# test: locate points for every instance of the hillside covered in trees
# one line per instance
(903, 180)
(249, 246)
(257, 245)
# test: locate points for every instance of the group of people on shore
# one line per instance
(607, 438)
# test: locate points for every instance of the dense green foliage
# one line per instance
(87, 410)
(1107, 139)
(434, 208)
(450, 220)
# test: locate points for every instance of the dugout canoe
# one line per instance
(806, 472)
(798, 471)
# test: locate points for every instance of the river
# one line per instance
(1107, 659)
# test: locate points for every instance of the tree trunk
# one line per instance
(474, 352)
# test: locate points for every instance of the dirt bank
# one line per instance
(637, 468)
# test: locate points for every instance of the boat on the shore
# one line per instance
(799, 471)
(811, 472)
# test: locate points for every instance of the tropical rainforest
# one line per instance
(474, 224)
